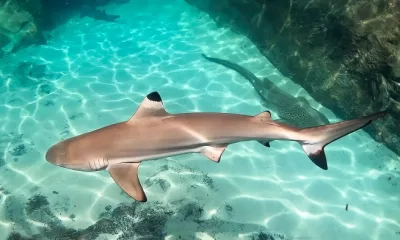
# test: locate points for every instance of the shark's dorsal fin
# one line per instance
(126, 176)
(213, 153)
(151, 105)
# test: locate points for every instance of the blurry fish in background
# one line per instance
(292, 110)
(92, 12)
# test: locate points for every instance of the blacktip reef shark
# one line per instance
(292, 110)
(153, 133)
(92, 12)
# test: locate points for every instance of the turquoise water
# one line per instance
(97, 73)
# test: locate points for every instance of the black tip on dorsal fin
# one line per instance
(154, 96)
(152, 105)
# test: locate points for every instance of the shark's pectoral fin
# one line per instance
(213, 153)
(126, 176)
(151, 105)
(316, 154)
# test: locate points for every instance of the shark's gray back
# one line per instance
(291, 110)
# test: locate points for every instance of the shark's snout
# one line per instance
(56, 154)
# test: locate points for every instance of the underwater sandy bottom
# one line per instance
(97, 74)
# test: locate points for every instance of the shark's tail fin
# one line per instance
(319, 137)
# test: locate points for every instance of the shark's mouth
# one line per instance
(77, 167)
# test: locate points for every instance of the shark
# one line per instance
(152, 133)
(296, 111)
(92, 12)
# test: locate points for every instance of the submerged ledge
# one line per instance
(345, 54)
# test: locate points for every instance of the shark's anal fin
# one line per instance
(213, 153)
(267, 143)
(151, 105)
(126, 176)
(264, 117)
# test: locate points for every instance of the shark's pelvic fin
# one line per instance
(126, 176)
(151, 105)
(264, 116)
(266, 143)
(213, 153)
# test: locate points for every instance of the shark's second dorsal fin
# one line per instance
(126, 176)
(151, 105)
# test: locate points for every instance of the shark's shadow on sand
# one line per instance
(295, 111)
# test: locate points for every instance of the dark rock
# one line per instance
(346, 54)
(35, 203)
(16, 236)
(191, 211)
(19, 150)
(19, 24)
(262, 236)
(129, 220)
(228, 208)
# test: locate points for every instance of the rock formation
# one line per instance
(345, 53)
(20, 24)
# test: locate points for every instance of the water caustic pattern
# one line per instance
(92, 74)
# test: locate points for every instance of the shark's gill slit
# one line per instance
(90, 166)
(105, 162)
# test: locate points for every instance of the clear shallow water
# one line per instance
(97, 74)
